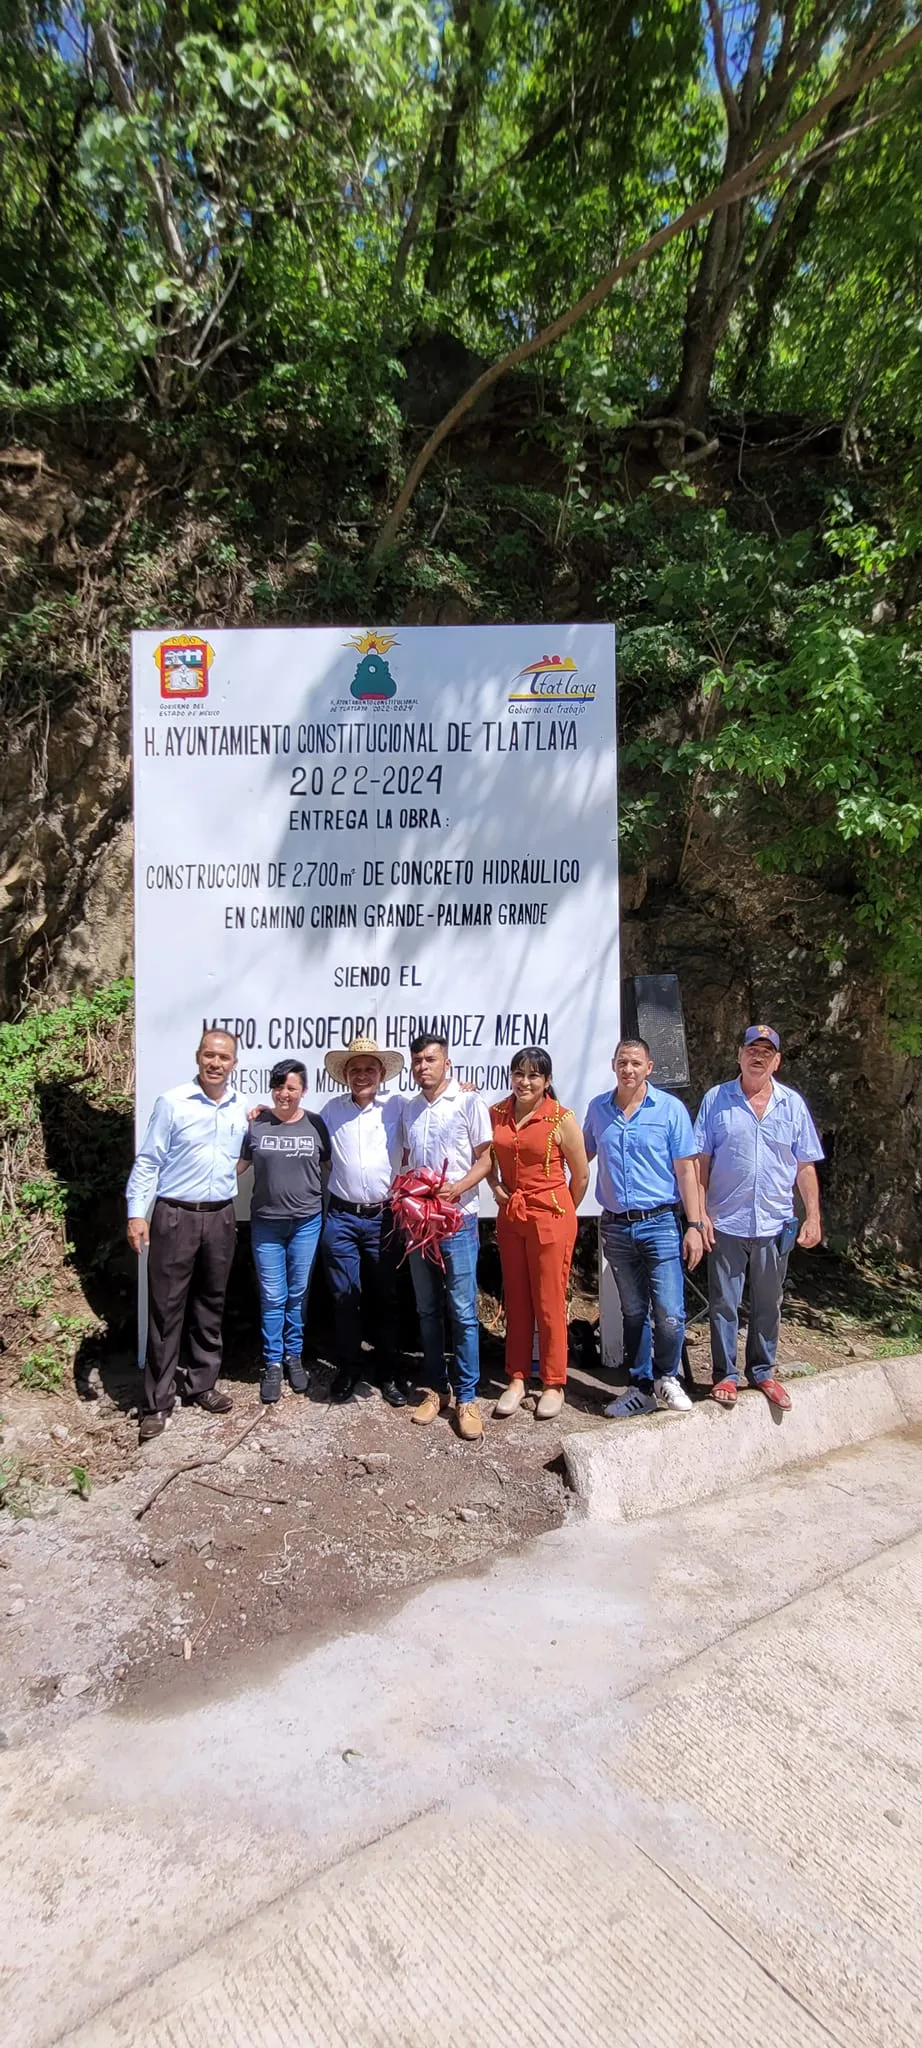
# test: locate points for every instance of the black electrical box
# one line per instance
(651, 1006)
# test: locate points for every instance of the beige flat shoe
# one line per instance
(511, 1398)
(550, 1404)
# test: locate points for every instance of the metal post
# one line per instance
(610, 1330)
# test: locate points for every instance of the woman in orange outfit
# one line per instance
(535, 1142)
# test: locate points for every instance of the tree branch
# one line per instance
(156, 182)
(731, 103)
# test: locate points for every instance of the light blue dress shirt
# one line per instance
(190, 1149)
(754, 1160)
(636, 1153)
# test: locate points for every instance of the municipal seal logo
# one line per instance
(184, 662)
(373, 682)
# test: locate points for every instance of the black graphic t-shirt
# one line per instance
(287, 1160)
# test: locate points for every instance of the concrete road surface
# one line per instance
(649, 1785)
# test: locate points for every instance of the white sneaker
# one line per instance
(671, 1394)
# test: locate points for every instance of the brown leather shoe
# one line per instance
(214, 1403)
(431, 1405)
(151, 1426)
(470, 1422)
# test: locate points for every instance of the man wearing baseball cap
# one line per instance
(755, 1141)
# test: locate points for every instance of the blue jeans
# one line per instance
(363, 1252)
(727, 1265)
(283, 1254)
(646, 1260)
(455, 1289)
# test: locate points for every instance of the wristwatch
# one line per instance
(693, 1223)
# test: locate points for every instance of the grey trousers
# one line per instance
(727, 1266)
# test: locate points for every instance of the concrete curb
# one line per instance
(648, 1465)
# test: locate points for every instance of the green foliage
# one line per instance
(81, 1481)
(13, 1490)
(43, 1197)
(50, 1045)
(65, 1145)
(811, 713)
(43, 1370)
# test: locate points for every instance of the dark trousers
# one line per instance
(361, 1255)
(188, 1267)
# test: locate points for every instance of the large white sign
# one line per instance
(376, 832)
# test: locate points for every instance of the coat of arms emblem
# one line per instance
(183, 661)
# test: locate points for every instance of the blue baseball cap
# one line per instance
(757, 1032)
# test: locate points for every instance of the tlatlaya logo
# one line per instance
(184, 662)
(373, 682)
(554, 676)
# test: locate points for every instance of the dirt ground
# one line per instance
(306, 1515)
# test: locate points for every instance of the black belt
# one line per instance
(357, 1208)
(207, 1208)
(639, 1215)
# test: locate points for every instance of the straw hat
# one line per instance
(337, 1062)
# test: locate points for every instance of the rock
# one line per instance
(467, 1514)
(10, 1732)
(894, 1816)
(376, 1461)
(73, 1684)
(61, 1435)
(159, 1555)
(203, 1540)
(16, 1607)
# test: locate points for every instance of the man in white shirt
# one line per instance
(360, 1246)
(188, 1161)
(445, 1125)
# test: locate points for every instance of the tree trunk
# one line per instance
(711, 301)
(777, 272)
(477, 22)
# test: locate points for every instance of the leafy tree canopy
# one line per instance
(245, 214)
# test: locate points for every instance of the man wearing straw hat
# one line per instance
(359, 1246)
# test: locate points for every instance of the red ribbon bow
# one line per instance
(422, 1213)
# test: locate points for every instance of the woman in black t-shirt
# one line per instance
(288, 1149)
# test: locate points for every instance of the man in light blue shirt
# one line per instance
(644, 1144)
(187, 1166)
(756, 1141)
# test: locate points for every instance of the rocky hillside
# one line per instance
(105, 526)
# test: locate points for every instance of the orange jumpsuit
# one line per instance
(535, 1249)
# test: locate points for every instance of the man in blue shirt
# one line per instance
(756, 1141)
(643, 1140)
(188, 1160)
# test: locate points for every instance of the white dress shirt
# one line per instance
(365, 1147)
(190, 1149)
(450, 1128)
